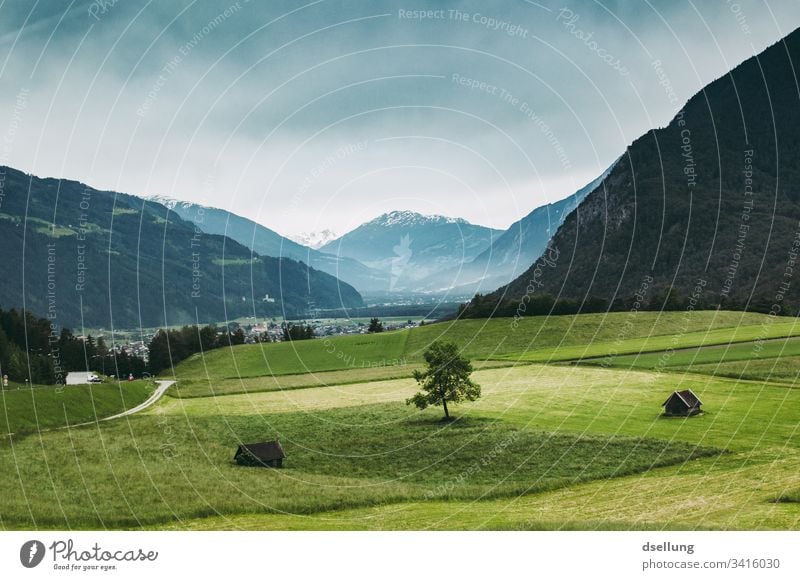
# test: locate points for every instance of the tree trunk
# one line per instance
(446, 414)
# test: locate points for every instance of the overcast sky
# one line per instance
(305, 116)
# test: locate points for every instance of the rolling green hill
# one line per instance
(534, 339)
(547, 446)
(540, 436)
(31, 409)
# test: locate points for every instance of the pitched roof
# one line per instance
(266, 451)
(687, 396)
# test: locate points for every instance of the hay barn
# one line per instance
(267, 454)
(682, 404)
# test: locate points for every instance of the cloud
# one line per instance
(479, 109)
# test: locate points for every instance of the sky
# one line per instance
(318, 115)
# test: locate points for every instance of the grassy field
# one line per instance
(710, 498)
(688, 357)
(499, 337)
(547, 446)
(191, 388)
(26, 410)
(658, 344)
(785, 369)
(347, 450)
(535, 339)
(304, 356)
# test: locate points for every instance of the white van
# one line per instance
(80, 378)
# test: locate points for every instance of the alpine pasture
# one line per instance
(567, 434)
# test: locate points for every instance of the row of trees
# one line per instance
(297, 332)
(663, 299)
(669, 299)
(169, 347)
(25, 347)
(33, 350)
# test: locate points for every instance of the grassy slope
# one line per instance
(193, 388)
(497, 337)
(285, 358)
(785, 369)
(175, 461)
(27, 410)
(742, 416)
(721, 494)
(707, 355)
(756, 423)
(658, 343)
(363, 357)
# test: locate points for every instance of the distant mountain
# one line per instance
(84, 257)
(523, 242)
(702, 213)
(515, 250)
(410, 247)
(314, 240)
(267, 242)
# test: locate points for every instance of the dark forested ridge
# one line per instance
(88, 258)
(703, 213)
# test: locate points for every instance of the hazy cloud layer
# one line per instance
(326, 114)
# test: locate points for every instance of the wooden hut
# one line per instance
(267, 454)
(682, 404)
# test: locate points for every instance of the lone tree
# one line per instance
(375, 325)
(446, 380)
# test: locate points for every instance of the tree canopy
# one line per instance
(446, 378)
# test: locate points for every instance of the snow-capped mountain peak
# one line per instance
(411, 218)
(170, 202)
(314, 240)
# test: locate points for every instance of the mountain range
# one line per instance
(90, 258)
(513, 251)
(400, 252)
(411, 248)
(404, 252)
(267, 242)
(702, 213)
(388, 243)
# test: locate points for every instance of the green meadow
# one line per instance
(258, 367)
(287, 358)
(568, 434)
(688, 357)
(535, 339)
(29, 409)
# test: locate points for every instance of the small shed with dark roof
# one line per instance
(682, 404)
(267, 454)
